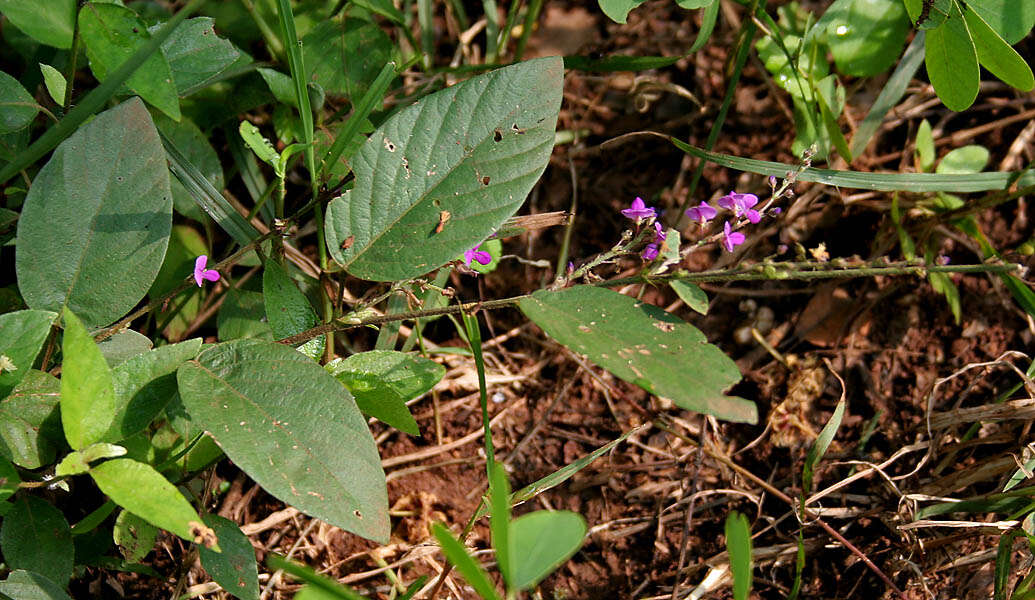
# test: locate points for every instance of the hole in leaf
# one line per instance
(358, 514)
(497, 135)
(485, 180)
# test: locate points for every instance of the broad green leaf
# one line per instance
(997, 56)
(287, 309)
(259, 144)
(1019, 475)
(819, 448)
(865, 36)
(639, 343)
(285, 421)
(9, 480)
(952, 62)
(26, 585)
(243, 315)
(1011, 19)
(457, 554)
(234, 568)
(141, 490)
(134, 535)
(195, 147)
(96, 221)
(177, 314)
(345, 57)
(111, 34)
(144, 385)
(281, 86)
(55, 83)
(24, 332)
(30, 425)
(87, 394)
(618, 10)
(383, 381)
(195, 53)
(928, 14)
(691, 294)
(540, 542)
(36, 537)
(78, 462)
(738, 545)
(473, 150)
(499, 522)
(51, 22)
(123, 346)
(17, 107)
(925, 150)
(964, 160)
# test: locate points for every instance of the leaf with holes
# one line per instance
(473, 150)
(96, 221)
(293, 428)
(642, 344)
(234, 568)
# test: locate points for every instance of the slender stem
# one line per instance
(534, 8)
(70, 75)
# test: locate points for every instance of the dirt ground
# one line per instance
(885, 344)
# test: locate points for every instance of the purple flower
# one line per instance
(639, 211)
(741, 205)
(650, 252)
(659, 233)
(731, 239)
(481, 256)
(941, 259)
(203, 274)
(702, 213)
(776, 210)
(772, 181)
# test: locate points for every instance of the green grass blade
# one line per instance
(818, 449)
(1002, 564)
(375, 93)
(97, 98)
(207, 196)
(464, 563)
(311, 577)
(890, 94)
(474, 337)
(738, 544)
(884, 182)
(708, 19)
(305, 111)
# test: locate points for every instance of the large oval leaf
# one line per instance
(36, 537)
(144, 385)
(1011, 19)
(30, 423)
(51, 22)
(465, 156)
(865, 36)
(642, 344)
(952, 62)
(26, 585)
(24, 332)
(96, 220)
(87, 393)
(17, 107)
(540, 542)
(293, 428)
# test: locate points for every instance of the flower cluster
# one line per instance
(742, 206)
(638, 211)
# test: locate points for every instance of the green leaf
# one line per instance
(123, 346)
(100, 210)
(819, 448)
(618, 10)
(55, 83)
(928, 14)
(36, 537)
(1011, 19)
(261, 146)
(499, 522)
(738, 544)
(79, 462)
(691, 294)
(141, 490)
(464, 563)
(925, 150)
(111, 34)
(345, 57)
(9, 480)
(23, 337)
(87, 394)
(620, 62)
(195, 53)
(1002, 565)
(383, 381)
(865, 36)
(288, 310)
(17, 107)
(694, 4)
(234, 568)
(25, 585)
(195, 147)
(30, 425)
(281, 86)
(51, 22)
(144, 385)
(473, 150)
(284, 420)
(639, 343)
(997, 56)
(243, 315)
(965, 160)
(952, 62)
(541, 541)
(320, 587)
(134, 535)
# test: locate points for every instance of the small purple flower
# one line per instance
(941, 259)
(203, 274)
(659, 233)
(731, 239)
(481, 256)
(741, 205)
(702, 213)
(772, 181)
(650, 252)
(639, 211)
(776, 210)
